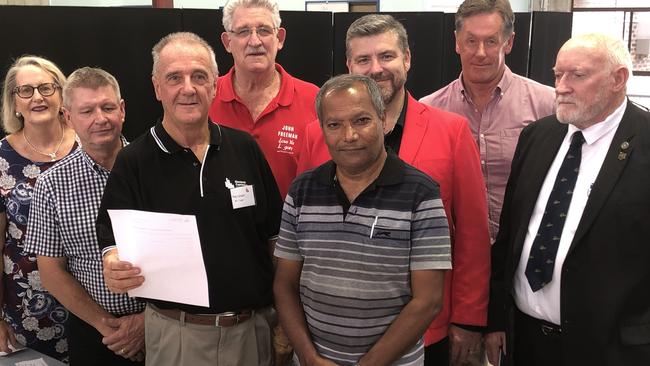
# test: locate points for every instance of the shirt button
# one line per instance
(482, 136)
(482, 162)
(195, 163)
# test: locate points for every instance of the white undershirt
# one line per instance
(545, 303)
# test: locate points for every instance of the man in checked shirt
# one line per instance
(105, 328)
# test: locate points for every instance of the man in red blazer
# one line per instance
(440, 144)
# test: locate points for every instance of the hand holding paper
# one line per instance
(120, 276)
(167, 250)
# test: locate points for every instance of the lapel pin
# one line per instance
(622, 155)
(625, 145)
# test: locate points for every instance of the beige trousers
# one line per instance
(172, 342)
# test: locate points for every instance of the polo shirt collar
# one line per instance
(167, 144)
(226, 92)
(391, 173)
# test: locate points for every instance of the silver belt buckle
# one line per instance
(227, 314)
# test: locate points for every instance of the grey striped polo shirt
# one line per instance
(357, 260)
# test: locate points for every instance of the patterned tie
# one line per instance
(539, 270)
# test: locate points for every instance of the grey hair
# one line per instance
(90, 78)
(473, 7)
(232, 5)
(374, 24)
(11, 123)
(346, 81)
(185, 38)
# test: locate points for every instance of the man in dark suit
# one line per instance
(571, 263)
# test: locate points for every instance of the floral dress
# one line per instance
(37, 317)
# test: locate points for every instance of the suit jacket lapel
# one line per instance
(610, 171)
(414, 130)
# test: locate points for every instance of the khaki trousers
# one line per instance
(172, 342)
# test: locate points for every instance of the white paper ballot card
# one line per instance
(167, 249)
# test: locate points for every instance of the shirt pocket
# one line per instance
(508, 141)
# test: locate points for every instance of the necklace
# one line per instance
(51, 155)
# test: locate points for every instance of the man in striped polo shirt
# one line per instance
(364, 242)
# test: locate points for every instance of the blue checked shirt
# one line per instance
(61, 223)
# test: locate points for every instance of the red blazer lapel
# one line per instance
(414, 130)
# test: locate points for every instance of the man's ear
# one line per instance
(407, 59)
(509, 43)
(122, 110)
(66, 116)
(282, 36)
(621, 75)
(156, 86)
(225, 40)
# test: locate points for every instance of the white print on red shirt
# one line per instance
(287, 138)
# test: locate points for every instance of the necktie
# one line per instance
(539, 269)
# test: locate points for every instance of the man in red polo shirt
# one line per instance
(257, 95)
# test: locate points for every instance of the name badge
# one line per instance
(242, 196)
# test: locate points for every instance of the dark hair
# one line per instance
(373, 24)
(473, 7)
(346, 81)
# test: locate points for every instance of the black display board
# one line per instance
(425, 31)
(120, 41)
(550, 31)
(116, 39)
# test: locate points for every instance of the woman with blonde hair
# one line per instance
(37, 137)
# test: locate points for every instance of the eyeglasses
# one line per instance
(262, 32)
(27, 91)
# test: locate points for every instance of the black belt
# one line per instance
(545, 327)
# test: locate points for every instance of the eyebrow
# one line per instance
(496, 34)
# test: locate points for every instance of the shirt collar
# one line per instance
(91, 162)
(502, 86)
(391, 173)
(167, 144)
(226, 91)
(595, 132)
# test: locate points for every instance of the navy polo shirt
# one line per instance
(156, 174)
